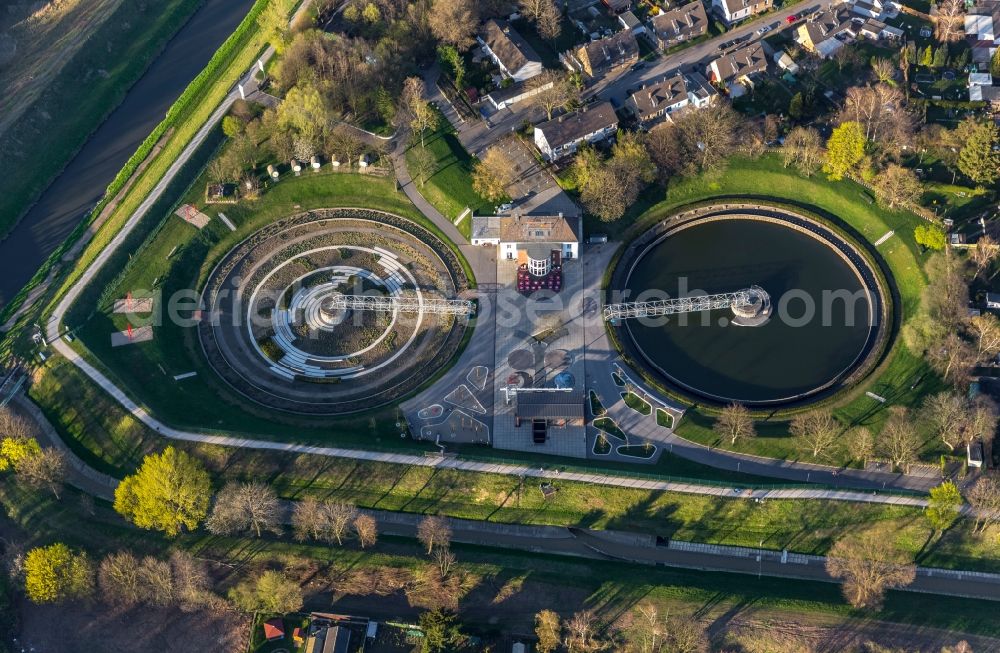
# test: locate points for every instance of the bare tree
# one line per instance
(493, 173)
(156, 582)
(444, 559)
(861, 442)
(13, 426)
(945, 412)
(324, 521)
(433, 532)
(949, 21)
(984, 253)
(118, 579)
(454, 22)
(899, 441)
(46, 469)
(869, 563)
(549, 22)
(981, 420)
(366, 530)
(816, 430)
(897, 186)
(552, 91)
(424, 165)
(245, 507)
(881, 112)
(418, 113)
(803, 148)
(581, 633)
(883, 70)
(735, 423)
(985, 329)
(952, 358)
(984, 497)
(191, 582)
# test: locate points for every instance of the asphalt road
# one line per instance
(81, 185)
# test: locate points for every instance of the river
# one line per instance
(80, 186)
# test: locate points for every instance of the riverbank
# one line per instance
(70, 161)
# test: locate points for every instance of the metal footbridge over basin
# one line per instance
(403, 304)
(747, 303)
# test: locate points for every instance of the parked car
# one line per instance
(639, 66)
(791, 19)
(763, 30)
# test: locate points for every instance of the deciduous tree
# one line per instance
(985, 330)
(984, 498)
(424, 165)
(735, 423)
(943, 505)
(803, 148)
(581, 633)
(949, 20)
(553, 91)
(454, 22)
(883, 70)
(930, 237)
(56, 573)
(245, 508)
(419, 114)
(845, 149)
(816, 431)
(897, 186)
(273, 23)
(169, 493)
(324, 521)
(868, 563)
(45, 469)
(861, 442)
(433, 532)
(984, 253)
(548, 630)
(493, 173)
(366, 530)
(945, 412)
(899, 441)
(271, 592)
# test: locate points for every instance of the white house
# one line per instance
(733, 11)
(529, 239)
(509, 51)
(659, 100)
(563, 135)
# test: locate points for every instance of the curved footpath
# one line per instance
(637, 548)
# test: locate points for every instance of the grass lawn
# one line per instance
(40, 143)
(664, 419)
(449, 189)
(637, 403)
(607, 587)
(609, 426)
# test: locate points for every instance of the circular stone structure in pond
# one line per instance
(823, 323)
(282, 333)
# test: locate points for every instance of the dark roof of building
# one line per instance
(574, 126)
(698, 86)
(827, 24)
(547, 405)
(630, 20)
(539, 229)
(740, 63)
(508, 46)
(611, 51)
(618, 5)
(656, 97)
(336, 640)
(686, 21)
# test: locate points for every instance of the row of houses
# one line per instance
(826, 32)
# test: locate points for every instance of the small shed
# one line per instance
(274, 629)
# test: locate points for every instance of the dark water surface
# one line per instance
(766, 363)
(81, 185)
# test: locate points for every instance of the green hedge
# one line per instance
(222, 57)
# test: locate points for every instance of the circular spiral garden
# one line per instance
(278, 335)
